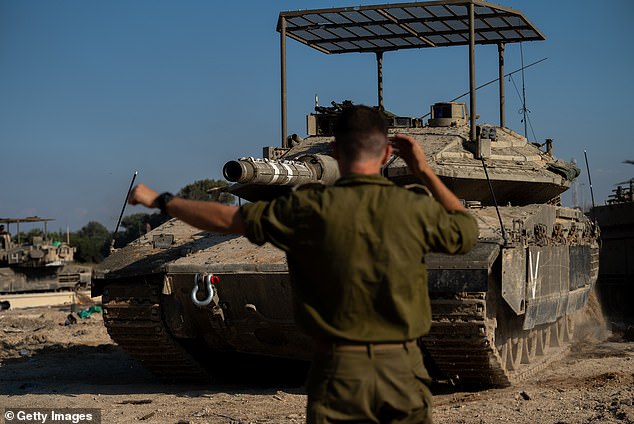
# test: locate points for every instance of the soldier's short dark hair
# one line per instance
(361, 132)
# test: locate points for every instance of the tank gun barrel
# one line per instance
(305, 169)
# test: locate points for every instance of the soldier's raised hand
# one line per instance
(411, 152)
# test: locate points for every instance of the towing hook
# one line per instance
(207, 280)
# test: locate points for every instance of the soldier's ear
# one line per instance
(387, 154)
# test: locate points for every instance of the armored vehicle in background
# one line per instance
(500, 313)
(616, 270)
(38, 264)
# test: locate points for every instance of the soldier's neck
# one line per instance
(364, 168)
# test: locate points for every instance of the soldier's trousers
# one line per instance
(370, 385)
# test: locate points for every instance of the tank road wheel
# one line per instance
(511, 353)
(504, 354)
(529, 348)
(557, 333)
(569, 331)
(543, 340)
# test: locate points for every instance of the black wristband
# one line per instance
(162, 200)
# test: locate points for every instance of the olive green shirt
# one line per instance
(356, 252)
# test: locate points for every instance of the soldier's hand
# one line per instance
(411, 152)
(143, 195)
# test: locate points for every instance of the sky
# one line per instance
(92, 91)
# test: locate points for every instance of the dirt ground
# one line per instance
(46, 364)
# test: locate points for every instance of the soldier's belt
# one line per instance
(325, 347)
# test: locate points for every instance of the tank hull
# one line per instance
(18, 280)
(500, 312)
(616, 271)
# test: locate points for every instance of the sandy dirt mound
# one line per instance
(46, 364)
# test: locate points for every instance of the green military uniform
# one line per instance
(356, 257)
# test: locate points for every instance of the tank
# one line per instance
(500, 313)
(616, 270)
(37, 264)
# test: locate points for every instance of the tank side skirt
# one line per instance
(560, 279)
(24, 280)
(465, 344)
(471, 344)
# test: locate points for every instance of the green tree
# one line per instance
(137, 224)
(198, 190)
(92, 242)
(26, 238)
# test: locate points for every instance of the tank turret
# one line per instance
(520, 173)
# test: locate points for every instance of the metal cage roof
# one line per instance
(22, 220)
(406, 26)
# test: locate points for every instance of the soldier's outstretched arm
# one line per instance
(414, 156)
(208, 216)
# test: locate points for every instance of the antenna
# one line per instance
(523, 92)
(491, 82)
(125, 202)
(495, 202)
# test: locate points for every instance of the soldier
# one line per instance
(5, 238)
(356, 258)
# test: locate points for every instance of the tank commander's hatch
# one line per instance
(388, 27)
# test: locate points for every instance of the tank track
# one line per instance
(133, 317)
(467, 350)
(465, 345)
